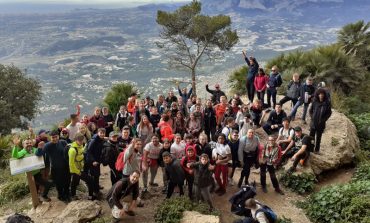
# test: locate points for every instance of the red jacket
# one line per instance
(166, 131)
(260, 82)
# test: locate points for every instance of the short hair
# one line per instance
(178, 135)
(248, 115)
(222, 135)
(165, 140)
(188, 136)
(166, 118)
(102, 130)
(126, 127)
(135, 171)
(250, 203)
(79, 136)
(235, 131)
(133, 94)
(73, 116)
(54, 133)
(286, 119)
(204, 155)
(278, 104)
(166, 154)
(131, 118)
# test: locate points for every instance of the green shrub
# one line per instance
(118, 95)
(14, 188)
(300, 183)
(362, 123)
(358, 210)
(5, 150)
(362, 172)
(336, 203)
(237, 81)
(171, 210)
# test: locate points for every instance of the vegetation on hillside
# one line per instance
(118, 95)
(18, 98)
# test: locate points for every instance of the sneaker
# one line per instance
(153, 184)
(264, 189)
(231, 182)
(279, 191)
(130, 213)
(45, 199)
(145, 190)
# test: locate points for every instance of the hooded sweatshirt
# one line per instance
(76, 158)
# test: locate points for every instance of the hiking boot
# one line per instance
(153, 184)
(45, 199)
(264, 189)
(130, 213)
(279, 191)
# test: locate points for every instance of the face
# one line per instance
(174, 105)
(101, 134)
(125, 133)
(82, 129)
(298, 134)
(235, 136)
(97, 112)
(221, 139)
(202, 140)
(166, 145)
(321, 97)
(138, 145)
(197, 108)
(190, 152)
(105, 110)
(295, 78)
(171, 94)
(188, 140)
(113, 138)
(167, 159)
(80, 142)
(203, 160)
(85, 118)
(273, 70)
(309, 82)
(271, 141)
(223, 100)
(28, 144)
(54, 139)
(122, 109)
(134, 178)
(178, 115)
(145, 120)
(192, 116)
(178, 139)
(234, 102)
(155, 140)
(286, 124)
(278, 108)
(250, 133)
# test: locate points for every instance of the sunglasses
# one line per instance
(273, 70)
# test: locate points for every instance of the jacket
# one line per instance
(260, 82)
(94, 149)
(309, 90)
(57, 154)
(320, 112)
(99, 121)
(253, 69)
(18, 153)
(274, 80)
(186, 96)
(209, 118)
(294, 89)
(174, 172)
(270, 155)
(202, 175)
(216, 95)
(234, 147)
(76, 158)
(111, 151)
(187, 159)
(276, 119)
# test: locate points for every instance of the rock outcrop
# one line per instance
(196, 217)
(57, 212)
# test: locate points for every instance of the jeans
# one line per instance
(249, 160)
(171, 188)
(250, 90)
(271, 170)
(286, 99)
(295, 108)
(271, 93)
(256, 117)
(94, 172)
(261, 96)
(153, 172)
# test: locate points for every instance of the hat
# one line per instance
(42, 131)
(54, 133)
(217, 85)
(166, 154)
(114, 133)
(298, 129)
(65, 130)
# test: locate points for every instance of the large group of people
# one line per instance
(195, 143)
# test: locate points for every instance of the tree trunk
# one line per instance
(193, 84)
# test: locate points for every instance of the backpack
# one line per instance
(289, 131)
(238, 199)
(120, 162)
(269, 213)
(106, 155)
(279, 81)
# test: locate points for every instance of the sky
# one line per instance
(89, 2)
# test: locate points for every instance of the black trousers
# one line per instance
(94, 172)
(261, 96)
(249, 161)
(286, 99)
(211, 136)
(190, 179)
(303, 156)
(250, 90)
(61, 178)
(171, 188)
(271, 170)
(115, 176)
(318, 133)
(271, 94)
(46, 184)
(76, 180)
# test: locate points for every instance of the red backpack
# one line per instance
(120, 163)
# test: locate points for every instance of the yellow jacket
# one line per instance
(76, 158)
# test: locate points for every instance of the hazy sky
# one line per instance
(90, 1)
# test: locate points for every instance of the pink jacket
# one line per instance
(260, 82)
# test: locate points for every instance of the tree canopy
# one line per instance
(187, 35)
(118, 95)
(18, 98)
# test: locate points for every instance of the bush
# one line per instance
(14, 188)
(5, 150)
(362, 172)
(118, 95)
(337, 203)
(284, 220)
(170, 211)
(237, 81)
(300, 183)
(358, 210)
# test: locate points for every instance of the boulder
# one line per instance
(196, 217)
(79, 212)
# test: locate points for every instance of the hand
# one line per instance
(211, 167)
(188, 165)
(272, 126)
(122, 213)
(244, 52)
(218, 161)
(293, 158)
(95, 163)
(16, 140)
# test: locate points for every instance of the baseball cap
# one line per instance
(114, 133)
(65, 130)
(298, 129)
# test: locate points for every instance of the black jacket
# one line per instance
(320, 112)
(216, 94)
(174, 172)
(57, 154)
(202, 176)
(276, 119)
(110, 153)
(209, 118)
(121, 189)
(206, 148)
(94, 149)
(310, 89)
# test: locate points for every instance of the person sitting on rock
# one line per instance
(127, 190)
(286, 134)
(275, 120)
(303, 153)
(268, 159)
(293, 92)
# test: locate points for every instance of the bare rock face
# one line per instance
(58, 212)
(79, 212)
(196, 217)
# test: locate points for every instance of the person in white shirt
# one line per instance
(258, 216)
(73, 127)
(178, 147)
(221, 154)
(150, 161)
(286, 134)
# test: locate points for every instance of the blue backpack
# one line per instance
(269, 213)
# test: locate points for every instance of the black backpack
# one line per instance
(238, 199)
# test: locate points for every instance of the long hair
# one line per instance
(142, 124)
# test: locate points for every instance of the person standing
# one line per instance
(56, 151)
(273, 83)
(111, 150)
(216, 94)
(269, 157)
(293, 92)
(305, 98)
(150, 161)
(109, 120)
(248, 155)
(222, 155)
(320, 112)
(209, 121)
(252, 72)
(260, 84)
(175, 174)
(73, 127)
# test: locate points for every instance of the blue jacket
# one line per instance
(274, 80)
(186, 96)
(253, 69)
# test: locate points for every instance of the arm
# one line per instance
(291, 144)
(208, 90)
(71, 159)
(190, 92)
(116, 194)
(89, 150)
(18, 153)
(240, 150)
(300, 151)
(178, 88)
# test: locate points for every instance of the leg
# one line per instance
(145, 179)
(171, 187)
(218, 175)
(181, 187)
(284, 100)
(153, 173)
(263, 175)
(294, 110)
(252, 92)
(267, 128)
(224, 170)
(318, 140)
(46, 184)
(89, 182)
(269, 97)
(57, 182)
(273, 94)
(165, 178)
(190, 180)
(305, 108)
(74, 184)
(205, 192)
(262, 96)
(273, 178)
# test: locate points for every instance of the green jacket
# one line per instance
(19, 153)
(76, 158)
